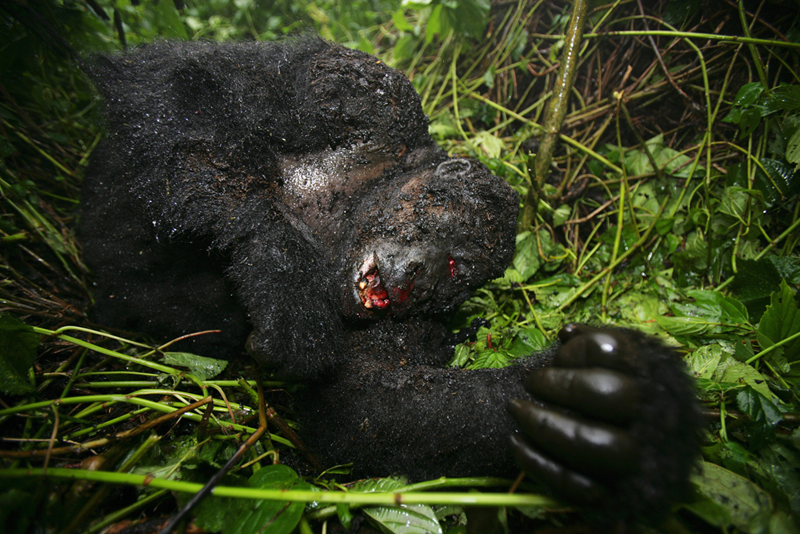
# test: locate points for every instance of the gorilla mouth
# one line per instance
(374, 294)
(370, 289)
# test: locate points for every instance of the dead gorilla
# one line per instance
(292, 190)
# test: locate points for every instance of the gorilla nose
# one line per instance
(455, 167)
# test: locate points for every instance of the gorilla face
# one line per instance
(429, 240)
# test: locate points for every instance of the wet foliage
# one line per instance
(671, 206)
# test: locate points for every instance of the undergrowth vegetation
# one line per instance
(669, 204)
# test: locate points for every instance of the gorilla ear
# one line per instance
(453, 168)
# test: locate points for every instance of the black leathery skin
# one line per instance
(594, 448)
(563, 481)
(661, 429)
(601, 393)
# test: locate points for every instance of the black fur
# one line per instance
(292, 190)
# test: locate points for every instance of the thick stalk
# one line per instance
(556, 111)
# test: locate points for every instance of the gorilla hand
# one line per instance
(616, 422)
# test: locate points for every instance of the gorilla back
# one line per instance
(290, 195)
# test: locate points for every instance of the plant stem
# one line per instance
(556, 111)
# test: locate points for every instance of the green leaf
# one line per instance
(788, 267)
(784, 181)
(405, 519)
(170, 21)
(717, 363)
(715, 305)
(434, 26)
(404, 47)
(399, 19)
(725, 498)
(754, 283)
(527, 341)
(491, 145)
(490, 359)
(734, 202)
(377, 485)
(732, 371)
(561, 215)
(18, 344)
(781, 320)
(704, 361)
(247, 516)
(710, 313)
(461, 356)
(764, 417)
(793, 149)
(526, 259)
(782, 98)
(200, 366)
(748, 121)
(748, 94)
(488, 77)
(344, 514)
(365, 45)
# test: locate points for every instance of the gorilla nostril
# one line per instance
(456, 167)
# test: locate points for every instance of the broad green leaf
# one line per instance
(377, 485)
(734, 202)
(444, 127)
(491, 145)
(781, 98)
(781, 462)
(434, 26)
(783, 180)
(490, 360)
(780, 321)
(746, 97)
(365, 45)
(754, 283)
(405, 519)
(732, 371)
(527, 260)
(715, 305)
(170, 20)
(749, 121)
(726, 498)
(764, 417)
(687, 326)
(704, 361)
(400, 22)
(527, 342)
(344, 514)
(561, 215)
(18, 344)
(200, 366)
(788, 267)
(748, 94)
(793, 149)
(248, 516)
(462, 356)
(404, 47)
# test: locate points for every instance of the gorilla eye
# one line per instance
(451, 264)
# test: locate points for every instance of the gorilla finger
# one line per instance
(583, 346)
(593, 448)
(562, 481)
(600, 393)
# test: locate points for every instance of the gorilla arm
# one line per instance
(619, 425)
